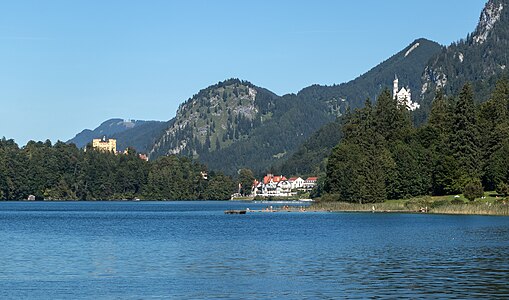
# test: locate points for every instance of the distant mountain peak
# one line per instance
(139, 134)
(490, 15)
(479, 58)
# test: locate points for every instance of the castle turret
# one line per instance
(395, 87)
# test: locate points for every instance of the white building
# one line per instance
(296, 182)
(310, 183)
(274, 189)
(404, 96)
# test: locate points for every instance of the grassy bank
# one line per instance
(489, 205)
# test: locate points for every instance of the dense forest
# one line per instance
(64, 172)
(382, 155)
(311, 157)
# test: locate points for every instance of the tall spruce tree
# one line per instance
(493, 118)
(444, 168)
(392, 119)
(357, 168)
(494, 126)
(464, 140)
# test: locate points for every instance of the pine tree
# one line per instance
(357, 168)
(439, 118)
(494, 124)
(444, 168)
(392, 119)
(465, 139)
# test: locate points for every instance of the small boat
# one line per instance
(306, 200)
(235, 212)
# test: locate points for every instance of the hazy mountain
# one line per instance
(138, 134)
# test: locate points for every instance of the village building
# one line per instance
(310, 183)
(280, 186)
(271, 178)
(296, 182)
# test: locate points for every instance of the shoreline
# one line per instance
(480, 209)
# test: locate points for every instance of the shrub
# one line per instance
(503, 188)
(473, 189)
(330, 197)
(457, 201)
(440, 203)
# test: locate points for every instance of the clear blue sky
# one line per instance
(70, 65)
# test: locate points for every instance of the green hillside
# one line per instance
(235, 124)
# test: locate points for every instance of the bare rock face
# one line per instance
(480, 56)
(489, 17)
(214, 118)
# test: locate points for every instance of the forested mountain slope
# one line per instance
(235, 124)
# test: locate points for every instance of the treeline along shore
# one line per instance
(463, 148)
(43, 171)
(458, 158)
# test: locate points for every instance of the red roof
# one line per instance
(293, 179)
(312, 179)
(275, 179)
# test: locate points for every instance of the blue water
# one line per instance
(192, 250)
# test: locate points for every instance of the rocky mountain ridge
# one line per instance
(479, 58)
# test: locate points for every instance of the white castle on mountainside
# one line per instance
(404, 96)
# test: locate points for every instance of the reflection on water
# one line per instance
(193, 250)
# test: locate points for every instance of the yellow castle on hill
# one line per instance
(105, 145)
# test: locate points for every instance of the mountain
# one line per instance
(138, 134)
(235, 124)
(481, 58)
(407, 65)
(293, 120)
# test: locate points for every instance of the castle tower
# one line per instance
(395, 87)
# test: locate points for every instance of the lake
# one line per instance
(192, 250)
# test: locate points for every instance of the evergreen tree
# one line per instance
(464, 140)
(392, 119)
(494, 126)
(473, 189)
(246, 179)
(444, 168)
(357, 168)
